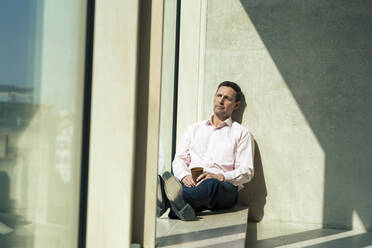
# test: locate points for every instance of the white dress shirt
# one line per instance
(227, 149)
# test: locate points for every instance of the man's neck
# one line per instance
(216, 120)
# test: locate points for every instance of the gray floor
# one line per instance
(210, 229)
(231, 230)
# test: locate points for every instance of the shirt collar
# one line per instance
(228, 122)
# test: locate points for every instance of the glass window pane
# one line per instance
(42, 47)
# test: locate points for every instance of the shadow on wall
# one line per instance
(323, 51)
(237, 115)
(254, 193)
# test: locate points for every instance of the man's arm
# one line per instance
(244, 157)
(207, 175)
(181, 160)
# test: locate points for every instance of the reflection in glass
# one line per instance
(41, 83)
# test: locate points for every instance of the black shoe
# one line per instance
(172, 215)
(162, 203)
(173, 190)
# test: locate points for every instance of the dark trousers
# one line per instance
(211, 194)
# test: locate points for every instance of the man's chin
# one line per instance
(220, 114)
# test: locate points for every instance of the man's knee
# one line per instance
(213, 185)
(211, 182)
(223, 194)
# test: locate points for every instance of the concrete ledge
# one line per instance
(212, 229)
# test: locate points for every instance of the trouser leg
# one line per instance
(211, 194)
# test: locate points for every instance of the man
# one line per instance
(223, 148)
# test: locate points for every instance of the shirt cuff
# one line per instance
(182, 175)
(228, 175)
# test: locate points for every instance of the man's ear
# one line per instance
(237, 105)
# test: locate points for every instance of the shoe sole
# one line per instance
(160, 204)
(173, 191)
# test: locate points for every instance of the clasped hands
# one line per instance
(189, 182)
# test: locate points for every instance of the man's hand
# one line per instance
(188, 181)
(207, 175)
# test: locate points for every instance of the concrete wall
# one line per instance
(112, 133)
(191, 63)
(305, 69)
(167, 85)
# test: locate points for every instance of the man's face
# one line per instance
(224, 102)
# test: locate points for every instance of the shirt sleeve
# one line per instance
(182, 158)
(243, 168)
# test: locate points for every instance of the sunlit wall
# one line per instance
(304, 68)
